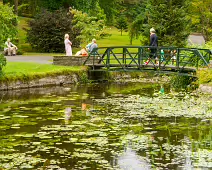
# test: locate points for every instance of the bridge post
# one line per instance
(159, 58)
(178, 59)
(108, 58)
(140, 57)
(197, 62)
(124, 56)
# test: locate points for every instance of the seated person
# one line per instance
(10, 48)
(82, 52)
(91, 45)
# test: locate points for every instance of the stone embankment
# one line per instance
(40, 82)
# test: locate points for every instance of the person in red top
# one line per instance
(82, 52)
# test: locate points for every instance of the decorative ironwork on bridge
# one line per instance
(165, 59)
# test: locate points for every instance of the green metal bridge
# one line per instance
(138, 58)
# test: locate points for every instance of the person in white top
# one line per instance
(68, 45)
(10, 48)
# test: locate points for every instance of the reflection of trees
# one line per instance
(172, 144)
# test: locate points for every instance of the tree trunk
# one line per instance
(16, 6)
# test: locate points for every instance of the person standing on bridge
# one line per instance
(68, 44)
(154, 44)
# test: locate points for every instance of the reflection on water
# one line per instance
(67, 115)
(130, 160)
(105, 126)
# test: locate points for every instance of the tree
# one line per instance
(170, 19)
(8, 22)
(201, 14)
(121, 23)
(86, 27)
(47, 31)
(110, 8)
(16, 6)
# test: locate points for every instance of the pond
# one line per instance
(105, 126)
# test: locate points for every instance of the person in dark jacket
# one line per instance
(153, 43)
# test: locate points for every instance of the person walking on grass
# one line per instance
(68, 45)
(154, 44)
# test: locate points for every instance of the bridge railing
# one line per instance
(144, 57)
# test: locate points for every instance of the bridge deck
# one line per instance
(143, 66)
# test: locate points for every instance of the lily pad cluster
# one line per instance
(83, 130)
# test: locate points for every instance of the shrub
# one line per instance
(25, 10)
(48, 30)
(3, 63)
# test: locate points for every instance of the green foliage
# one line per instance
(169, 19)
(8, 22)
(208, 45)
(24, 10)
(48, 30)
(121, 24)
(84, 78)
(110, 8)
(180, 82)
(85, 27)
(201, 15)
(3, 63)
(205, 76)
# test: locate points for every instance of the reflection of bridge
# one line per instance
(168, 59)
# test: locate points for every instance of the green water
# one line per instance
(105, 126)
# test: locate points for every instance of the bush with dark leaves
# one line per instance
(47, 31)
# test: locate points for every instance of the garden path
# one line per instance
(34, 59)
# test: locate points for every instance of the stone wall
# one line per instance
(73, 60)
(40, 82)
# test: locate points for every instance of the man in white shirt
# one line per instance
(10, 48)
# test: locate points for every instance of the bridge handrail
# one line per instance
(142, 50)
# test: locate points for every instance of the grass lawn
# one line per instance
(22, 70)
(22, 33)
(114, 40)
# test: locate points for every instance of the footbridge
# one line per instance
(141, 58)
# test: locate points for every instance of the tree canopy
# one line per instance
(201, 14)
(173, 20)
(8, 22)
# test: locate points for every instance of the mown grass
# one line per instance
(116, 39)
(22, 34)
(28, 71)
